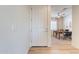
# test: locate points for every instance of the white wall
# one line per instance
(75, 26)
(68, 19)
(14, 29)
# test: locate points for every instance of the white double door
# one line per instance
(39, 25)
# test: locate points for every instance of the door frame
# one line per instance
(49, 22)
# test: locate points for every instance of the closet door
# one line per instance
(39, 26)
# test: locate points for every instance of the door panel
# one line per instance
(39, 26)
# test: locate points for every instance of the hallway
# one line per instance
(58, 47)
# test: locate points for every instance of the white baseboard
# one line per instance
(27, 50)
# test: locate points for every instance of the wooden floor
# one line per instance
(58, 47)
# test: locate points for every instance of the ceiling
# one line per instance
(58, 10)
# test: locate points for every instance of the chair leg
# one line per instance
(64, 37)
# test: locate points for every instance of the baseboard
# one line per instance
(27, 50)
(39, 45)
(77, 47)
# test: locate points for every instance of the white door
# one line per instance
(39, 26)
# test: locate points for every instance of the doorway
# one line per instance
(61, 26)
(60, 17)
